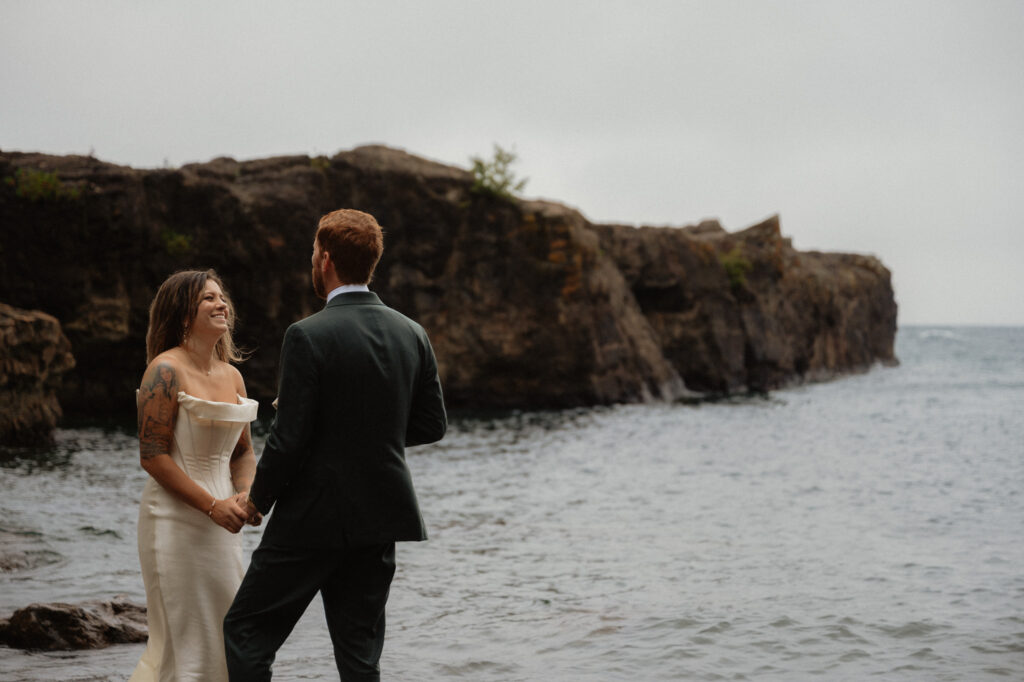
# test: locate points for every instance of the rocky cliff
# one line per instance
(34, 355)
(528, 304)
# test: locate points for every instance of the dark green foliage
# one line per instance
(176, 243)
(36, 185)
(494, 178)
(736, 267)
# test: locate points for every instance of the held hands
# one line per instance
(228, 514)
(253, 515)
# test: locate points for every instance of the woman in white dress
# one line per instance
(195, 443)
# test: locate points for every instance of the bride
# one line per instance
(195, 443)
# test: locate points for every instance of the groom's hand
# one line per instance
(253, 515)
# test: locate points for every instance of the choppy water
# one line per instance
(871, 527)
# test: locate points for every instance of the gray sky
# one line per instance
(894, 128)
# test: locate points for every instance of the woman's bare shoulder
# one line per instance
(172, 356)
(164, 371)
(236, 377)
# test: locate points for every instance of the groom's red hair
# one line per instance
(355, 242)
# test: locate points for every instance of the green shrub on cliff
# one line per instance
(736, 267)
(175, 243)
(495, 178)
(38, 185)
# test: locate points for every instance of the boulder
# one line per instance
(34, 354)
(90, 625)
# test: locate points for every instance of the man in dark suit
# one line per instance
(358, 384)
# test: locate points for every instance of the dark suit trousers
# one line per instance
(277, 588)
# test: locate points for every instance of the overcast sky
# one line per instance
(893, 128)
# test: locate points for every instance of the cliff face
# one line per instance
(527, 303)
(745, 311)
(34, 354)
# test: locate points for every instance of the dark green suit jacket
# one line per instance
(358, 384)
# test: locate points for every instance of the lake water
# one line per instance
(867, 528)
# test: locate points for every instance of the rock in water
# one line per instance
(60, 627)
(34, 353)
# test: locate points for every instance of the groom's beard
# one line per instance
(318, 284)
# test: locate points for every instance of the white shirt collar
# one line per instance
(346, 289)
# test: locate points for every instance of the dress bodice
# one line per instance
(205, 435)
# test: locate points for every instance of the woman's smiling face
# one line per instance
(213, 313)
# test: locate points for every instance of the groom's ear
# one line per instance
(327, 268)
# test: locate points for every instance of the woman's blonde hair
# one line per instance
(174, 309)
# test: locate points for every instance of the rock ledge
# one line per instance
(34, 354)
(60, 627)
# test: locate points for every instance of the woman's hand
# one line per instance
(253, 516)
(228, 514)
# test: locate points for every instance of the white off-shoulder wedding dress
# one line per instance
(191, 567)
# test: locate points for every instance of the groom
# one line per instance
(358, 384)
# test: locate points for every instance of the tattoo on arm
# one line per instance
(156, 414)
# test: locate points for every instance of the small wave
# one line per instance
(845, 634)
(99, 532)
(472, 669)
(854, 655)
(22, 550)
(1002, 672)
(999, 648)
(16, 560)
(670, 624)
(717, 628)
(605, 630)
(926, 654)
(21, 532)
(909, 668)
(911, 630)
(938, 334)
